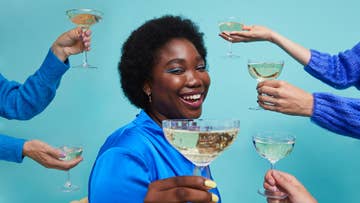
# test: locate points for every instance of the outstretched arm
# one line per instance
(24, 101)
(260, 33)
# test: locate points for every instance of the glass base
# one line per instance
(68, 187)
(85, 65)
(230, 55)
(272, 194)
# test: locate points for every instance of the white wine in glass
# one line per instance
(264, 70)
(200, 140)
(228, 25)
(273, 146)
(70, 153)
(84, 18)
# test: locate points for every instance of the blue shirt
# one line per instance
(338, 114)
(24, 101)
(133, 157)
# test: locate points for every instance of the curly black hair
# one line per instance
(139, 52)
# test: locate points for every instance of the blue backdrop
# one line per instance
(89, 104)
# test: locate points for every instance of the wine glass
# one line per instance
(264, 70)
(200, 140)
(228, 25)
(273, 146)
(71, 152)
(84, 18)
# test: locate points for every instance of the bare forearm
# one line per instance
(298, 52)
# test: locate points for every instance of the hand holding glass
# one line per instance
(70, 153)
(273, 146)
(200, 140)
(261, 71)
(228, 25)
(84, 18)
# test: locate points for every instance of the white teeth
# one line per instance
(192, 97)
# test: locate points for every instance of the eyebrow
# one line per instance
(181, 60)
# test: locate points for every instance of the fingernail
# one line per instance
(210, 184)
(214, 197)
(62, 155)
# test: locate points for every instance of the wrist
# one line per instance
(26, 148)
(59, 52)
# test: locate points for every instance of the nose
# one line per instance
(193, 79)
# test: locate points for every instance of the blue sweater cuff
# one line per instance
(11, 148)
(53, 68)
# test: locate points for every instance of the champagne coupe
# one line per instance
(228, 25)
(200, 140)
(84, 18)
(273, 146)
(70, 153)
(264, 70)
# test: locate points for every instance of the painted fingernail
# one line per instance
(210, 184)
(62, 155)
(214, 197)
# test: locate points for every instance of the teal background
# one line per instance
(89, 104)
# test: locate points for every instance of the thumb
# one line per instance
(285, 181)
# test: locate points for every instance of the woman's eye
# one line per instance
(177, 70)
(201, 68)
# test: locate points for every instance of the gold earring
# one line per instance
(149, 96)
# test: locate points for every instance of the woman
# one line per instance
(338, 114)
(163, 72)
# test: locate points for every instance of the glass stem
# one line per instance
(68, 181)
(272, 166)
(202, 171)
(230, 48)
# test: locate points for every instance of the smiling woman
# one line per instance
(163, 72)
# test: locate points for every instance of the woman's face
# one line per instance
(179, 83)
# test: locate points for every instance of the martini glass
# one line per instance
(264, 70)
(228, 25)
(84, 18)
(200, 140)
(273, 146)
(70, 153)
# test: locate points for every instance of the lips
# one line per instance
(193, 100)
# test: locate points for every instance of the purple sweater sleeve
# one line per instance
(339, 71)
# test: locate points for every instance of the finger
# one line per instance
(268, 178)
(196, 182)
(63, 165)
(270, 83)
(271, 200)
(225, 36)
(246, 27)
(268, 90)
(285, 181)
(267, 99)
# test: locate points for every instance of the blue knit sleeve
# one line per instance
(337, 114)
(11, 148)
(24, 101)
(339, 71)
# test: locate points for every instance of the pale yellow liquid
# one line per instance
(200, 147)
(230, 26)
(273, 151)
(71, 152)
(85, 19)
(265, 71)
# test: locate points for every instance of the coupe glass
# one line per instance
(273, 146)
(228, 25)
(264, 70)
(200, 140)
(84, 18)
(70, 152)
